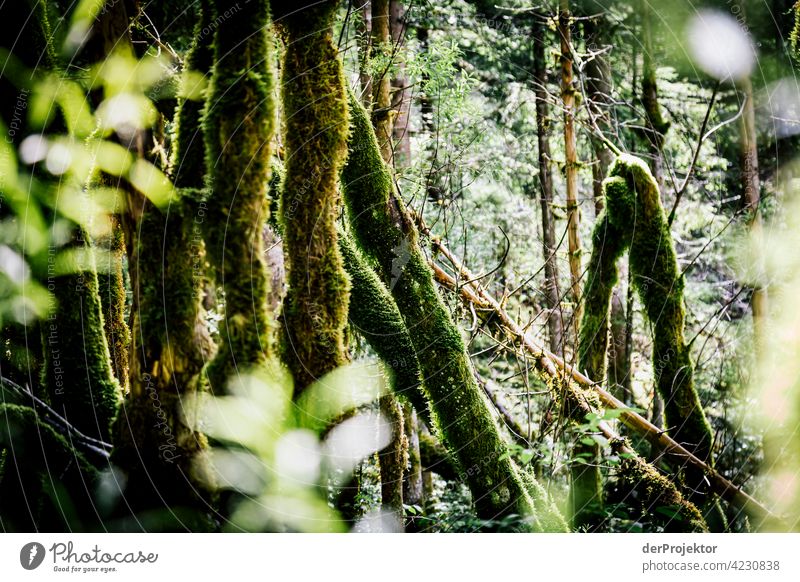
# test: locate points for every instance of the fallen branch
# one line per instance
(556, 368)
(58, 422)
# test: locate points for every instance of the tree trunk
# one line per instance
(552, 293)
(655, 129)
(364, 34)
(111, 283)
(315, 109)
(655, 125)
(413, 486)
(170, 343)
(571, 161)
(598, 89)
(386, 233)
(638, 216)
(393, 457)
(586, 488)
(382, 113)
(401, 99)
(752, 199)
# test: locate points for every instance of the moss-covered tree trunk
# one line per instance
(374, 315)
(598, 93)
(77, 375)
(393, 457)
(634, 218)
(111, 285)
(170, 341)
(315, 111)
(385, 232)
(239, 127)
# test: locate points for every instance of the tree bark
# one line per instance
(552, 294)
(364, 33)
(315, 110)
(655, 125)
(752, 199)
(384, 33)
(401, 98)
(571, 161)
(382, 113)
(170, 342)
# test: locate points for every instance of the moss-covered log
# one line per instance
(239, 127)
(657, 498)
(385, 232)
(315, 110)
(171, 342)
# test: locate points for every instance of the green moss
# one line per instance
(609, 242)
(658, 499)
(171, 343)
(634, 218)
(77, 374)
(315, 110)
(111, 287)
(374, 315)
(385, 232)
(188, 166)
(549, 518)
(435, 457)
(239, 127)
(393, 458)
(655, 275)
(52, 489)
(608, 245)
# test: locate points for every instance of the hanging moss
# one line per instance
(387, 235)
(52, 489)
(315, 110)
(111, 287)
(374, 315)
(77, 374)
(239, 127)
